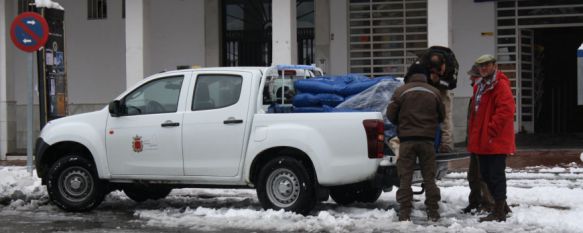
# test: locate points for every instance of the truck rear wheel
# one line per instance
(141, 193)
(73, 184)
(343, 195)
(284, 183)
(368, 194)
(361, 192)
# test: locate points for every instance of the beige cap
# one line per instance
(485, 58)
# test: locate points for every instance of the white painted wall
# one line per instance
(175, 35)
(469, 20)
(95, 55)
(339, 37)
(95, 51)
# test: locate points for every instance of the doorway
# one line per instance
(555, 80)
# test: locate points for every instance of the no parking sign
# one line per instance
(29, 31)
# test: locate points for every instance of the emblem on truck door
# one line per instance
(137, 144)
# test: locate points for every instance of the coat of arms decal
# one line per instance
(137, 144)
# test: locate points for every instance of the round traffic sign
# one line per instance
(29, 31)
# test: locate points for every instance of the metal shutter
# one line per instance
(386, 36)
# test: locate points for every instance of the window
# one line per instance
(158, 96)
(386, 36)
(216, 91)
(25, 6)
(96, 9)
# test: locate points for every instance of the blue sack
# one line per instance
(308, 109)
(329, 99)
(357, 87)
(306, 100)
(318, 85)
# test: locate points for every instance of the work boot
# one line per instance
(404, 215)
(486, 207)
(470, 208)
(507, 208)
(433, 215)
(499, 213)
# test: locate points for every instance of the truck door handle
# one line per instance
(170, 124)
(232, 121)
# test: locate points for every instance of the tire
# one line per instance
(141, 193)
(368, 194)
(284, 183)
(343, 195)
(73, 184)
(361, 192)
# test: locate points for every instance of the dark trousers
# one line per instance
(479, 193)
(492, 170)
(409, 151)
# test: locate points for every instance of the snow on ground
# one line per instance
(542, 200)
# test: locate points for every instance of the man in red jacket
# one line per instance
(491, 131)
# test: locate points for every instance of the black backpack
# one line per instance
(451, 64)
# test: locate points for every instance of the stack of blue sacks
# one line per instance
(346, 93)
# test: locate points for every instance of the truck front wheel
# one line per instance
(73, 184)
(284, 183)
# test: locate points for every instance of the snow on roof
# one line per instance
(48, 4)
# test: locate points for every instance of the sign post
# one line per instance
(29, 31)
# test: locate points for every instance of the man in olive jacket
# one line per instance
(416, 109)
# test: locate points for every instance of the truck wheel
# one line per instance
(73, 184)
(141, 193)
(284, 183)
(343, 195)
(368, 194)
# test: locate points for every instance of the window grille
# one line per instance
(386, 36)
(96, 9)
(25, 6)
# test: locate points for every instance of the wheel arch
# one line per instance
(60, 150)
(267, 155)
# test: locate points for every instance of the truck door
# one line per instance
(146, 139)
(215, 122)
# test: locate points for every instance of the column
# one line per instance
(212, 30)
(439, 30)
(284, 32)
(322, 31)
(339, 37)
(134, 33)
(4, 34)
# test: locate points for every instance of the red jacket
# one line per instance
(491, 128)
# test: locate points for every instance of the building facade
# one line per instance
(110, 45)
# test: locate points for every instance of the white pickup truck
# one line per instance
(209, 128)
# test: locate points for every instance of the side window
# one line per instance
(216, 91)
(158, 96)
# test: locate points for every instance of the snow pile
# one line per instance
(19, 190)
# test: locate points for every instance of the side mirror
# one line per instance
(115, 108)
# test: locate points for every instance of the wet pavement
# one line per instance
(532, 157)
